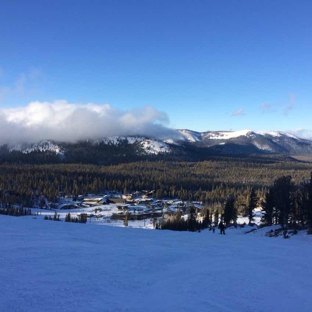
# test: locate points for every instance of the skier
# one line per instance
(222, 228)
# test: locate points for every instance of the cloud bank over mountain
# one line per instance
(63, 121)
(69, 122)
(303, 133)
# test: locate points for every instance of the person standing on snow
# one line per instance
(222, 228)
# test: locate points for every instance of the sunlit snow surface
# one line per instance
(192, 136)
(58, 266)
(227, 134)
(42, 146)
(150, 146)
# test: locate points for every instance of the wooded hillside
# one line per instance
(206, 181)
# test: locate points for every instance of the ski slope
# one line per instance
(56, 266)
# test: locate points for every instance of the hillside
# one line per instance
(248, 142)
(186, 145)
(56, 266)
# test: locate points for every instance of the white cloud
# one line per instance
(266, 107)
(63, 121)
(277, 107)
(238, 112)
(291, 105)
(302, 133)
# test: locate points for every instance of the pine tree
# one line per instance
(230, 212)
(268, 208)
(68, 218)
(191, 221)
(216, 217)
(282, 191)
(206, 221)
(252, 204)
(126, 219)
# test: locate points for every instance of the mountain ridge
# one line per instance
(187, 145)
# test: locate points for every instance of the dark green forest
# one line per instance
(227, 186)
(285, 203)
(206, 181)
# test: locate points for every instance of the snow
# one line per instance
(154, 147)
(171, 141)
(226, 135)
(42, 146)
(257, 212)
(264, 147)
(150, 146)
(57, 266)
(271, 133)
(291, 135)
(277, 134)
(112, 140)
(190, 136)
(115, 140)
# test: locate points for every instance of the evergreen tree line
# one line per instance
(82, 218)
(13, 211)
(178, 223)
(289, 205)
(211, 182)
(285, 204)
(56, 217)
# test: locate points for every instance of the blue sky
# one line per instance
(207, 65)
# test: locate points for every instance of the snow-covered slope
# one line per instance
(42, 146)
(149, 146)
(154, 147)
(190, 136)
(250, 141)
(226, 135)
(193, 136)
(55, 266)
(185, 144)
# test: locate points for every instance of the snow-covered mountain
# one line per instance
(143, 145)
(148, 145)
(193, 136)
(247, 141)
(186, 145)
(41, 146)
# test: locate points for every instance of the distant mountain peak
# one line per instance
(249, 141)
